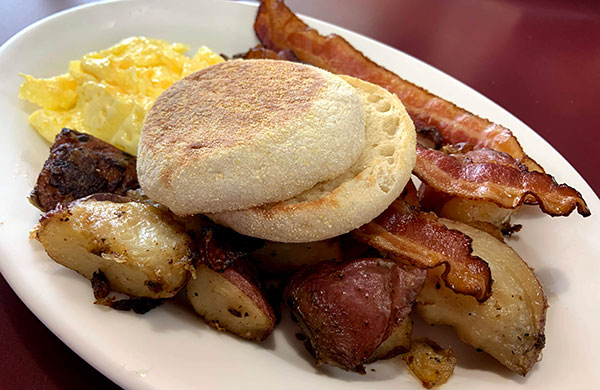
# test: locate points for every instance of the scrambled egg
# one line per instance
(107, 93)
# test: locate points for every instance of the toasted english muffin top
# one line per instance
(245, 133)
(346, 202)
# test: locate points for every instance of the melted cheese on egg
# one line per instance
(107, 93)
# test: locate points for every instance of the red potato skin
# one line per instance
(227, 253)
(244, 276)
(348, 309)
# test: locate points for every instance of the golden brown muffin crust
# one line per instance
(220, 106)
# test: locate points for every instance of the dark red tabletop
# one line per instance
(540, 60)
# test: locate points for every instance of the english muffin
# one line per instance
(245, 133)
(355, 197)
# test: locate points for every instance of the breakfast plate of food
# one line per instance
(219, 194)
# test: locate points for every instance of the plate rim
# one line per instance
(593, 201)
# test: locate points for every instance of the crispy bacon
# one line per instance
(486, 174)
(279, 28)
(407, 235)
(220, 247)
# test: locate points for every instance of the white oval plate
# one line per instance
(169, 348)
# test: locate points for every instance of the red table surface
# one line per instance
(540, 60)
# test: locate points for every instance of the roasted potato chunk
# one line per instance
(430, 363)
(80, 165)
(397, 343)
(509, 325)
(467, 210)
(231, 300)
(462, 209)
(347, 310)
(279, 258)
(140, 249)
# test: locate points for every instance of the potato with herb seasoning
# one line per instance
(430, 363)
(232, 300)
(140, 249)
(396, 343)
(509, 325)
(348, 310)
(226, 290)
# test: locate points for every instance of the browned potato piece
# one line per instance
(510, 324)
(278, 258)
(430, 363)
(463, 210)
(79, 165)
(397, 343)
(137, 246)
(232, 301)
(467, 210)
(347, 310)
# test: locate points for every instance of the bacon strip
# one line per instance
(416, 237)
(279, 28)
(220, 247)
(489, 175)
